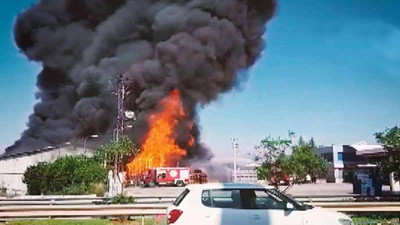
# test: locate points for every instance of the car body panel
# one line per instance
(196, 210)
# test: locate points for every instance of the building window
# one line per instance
(340, 156)
(328, 157)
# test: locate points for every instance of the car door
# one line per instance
(223, 207)
(271, 210)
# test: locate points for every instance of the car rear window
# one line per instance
(241, 199)
(181, 197)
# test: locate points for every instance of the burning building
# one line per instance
(175, 56)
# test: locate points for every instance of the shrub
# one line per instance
(3, 192)
(122, 199)
(68, 175)
(34, 178)
(98, 189)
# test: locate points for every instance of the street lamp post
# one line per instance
(84, 142)
(235, 146)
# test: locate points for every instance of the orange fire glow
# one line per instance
(159, 148)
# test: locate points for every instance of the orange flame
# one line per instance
(159, 148)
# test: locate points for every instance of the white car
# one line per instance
(246, 204)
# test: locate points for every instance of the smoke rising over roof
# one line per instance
(196, 46)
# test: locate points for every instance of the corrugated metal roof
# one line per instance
(32, 152)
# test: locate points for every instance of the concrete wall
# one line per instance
(12, 169)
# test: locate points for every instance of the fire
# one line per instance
(159, 148)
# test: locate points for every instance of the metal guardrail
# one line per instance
(70, 200)
(80, 211)
(92, 200)
(89, 206)
(92, 211)
(347, 198)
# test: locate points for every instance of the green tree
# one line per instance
(304, 161)
(390, 139)
(117, 153)
(275, 171)
(301, 141)
(67, 175)
(312, 143)
(115, 156)
(275, 166)
(272, 148)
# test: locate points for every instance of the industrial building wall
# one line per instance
(246, 175)
(12, 169)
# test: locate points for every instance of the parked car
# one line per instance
(246, 204)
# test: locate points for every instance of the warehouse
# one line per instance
(13, 166)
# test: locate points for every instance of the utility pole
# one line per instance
(235, 147)
(120, 115)
(122, 122)
(116, 182)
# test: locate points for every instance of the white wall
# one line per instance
(12, 169)
(336, 162)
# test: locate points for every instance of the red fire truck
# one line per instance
(177, 176)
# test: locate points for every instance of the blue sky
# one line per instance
(17, 78)
(330, 71)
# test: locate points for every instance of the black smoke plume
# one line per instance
(195, 46)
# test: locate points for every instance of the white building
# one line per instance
(345, 160)
(13, 166)
(334, 156)
(246, 173)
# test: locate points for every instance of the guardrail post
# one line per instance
(142, 220)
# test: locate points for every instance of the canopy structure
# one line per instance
(366, 149)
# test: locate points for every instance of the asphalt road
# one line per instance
(155, 191)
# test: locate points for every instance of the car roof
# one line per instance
(227, 186)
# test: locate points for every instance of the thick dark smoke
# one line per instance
(196, 46)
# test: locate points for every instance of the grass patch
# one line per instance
(376, 219)
(155, 221)
(60, 222)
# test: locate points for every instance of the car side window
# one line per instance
(226, 199)
(222, 198)
(249, 199)
(265, 200)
